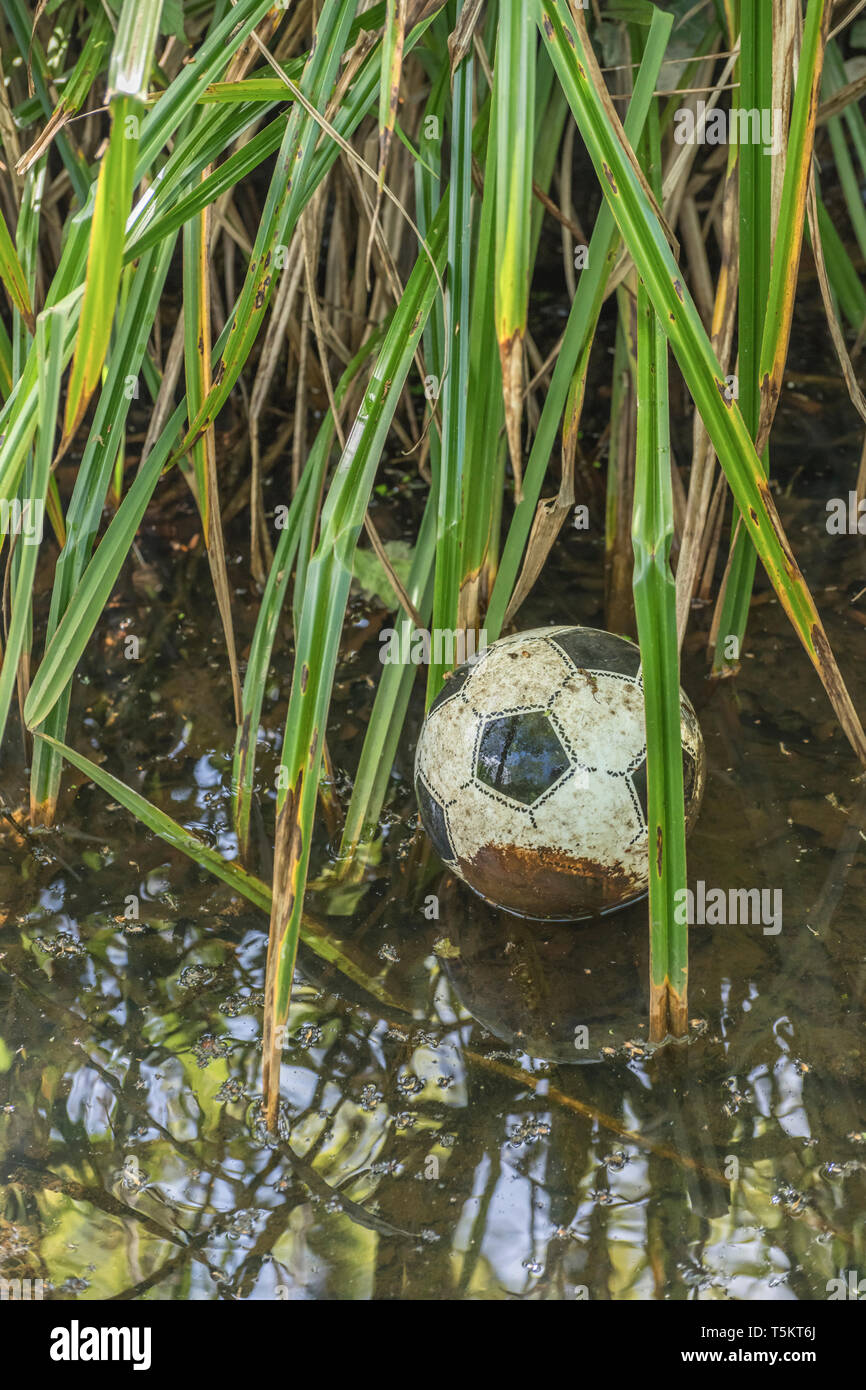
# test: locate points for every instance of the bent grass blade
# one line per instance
(247, 885)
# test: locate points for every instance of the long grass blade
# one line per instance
(514, 99)
(327, 586)
(767, 296)
(197, 359)
(655, 609)
(455, 390)
(13, 277)
(128, 75)
(786, 251)
(49, 342)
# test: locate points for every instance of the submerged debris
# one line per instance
(61, 946)
(209, 1047)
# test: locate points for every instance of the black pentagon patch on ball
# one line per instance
(520, 756)
(435, 823)
(592, 650)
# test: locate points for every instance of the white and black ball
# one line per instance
(531, 776)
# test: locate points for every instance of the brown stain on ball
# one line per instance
(548, 883)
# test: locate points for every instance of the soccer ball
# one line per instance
(531, 777)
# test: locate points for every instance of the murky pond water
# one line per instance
(503, 1131)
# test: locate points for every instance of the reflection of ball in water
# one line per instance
(531, 772)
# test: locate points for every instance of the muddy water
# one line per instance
(503, 1130)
